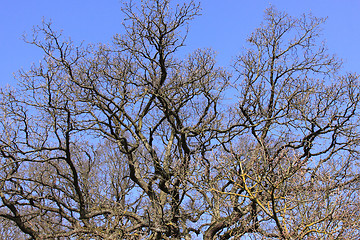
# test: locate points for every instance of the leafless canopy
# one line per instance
(128, 141)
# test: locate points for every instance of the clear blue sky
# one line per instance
(224, 26)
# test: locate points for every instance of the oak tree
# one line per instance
(131, 141)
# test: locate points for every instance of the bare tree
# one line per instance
(288, 167)
(127, 141)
